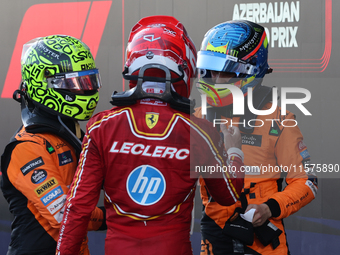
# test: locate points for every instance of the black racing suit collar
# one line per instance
(37, 120)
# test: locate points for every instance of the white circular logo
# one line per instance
(146, 185)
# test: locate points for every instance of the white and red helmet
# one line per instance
(162, 40)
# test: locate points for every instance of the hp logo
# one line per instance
(145, 185)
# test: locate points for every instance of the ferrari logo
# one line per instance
(151, 119)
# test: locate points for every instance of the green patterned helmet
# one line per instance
(59, 74)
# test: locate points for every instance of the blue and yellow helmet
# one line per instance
(239, 47)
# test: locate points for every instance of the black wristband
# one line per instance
(274, 207)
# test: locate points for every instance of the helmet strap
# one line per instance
(78, 130)
(76, 139)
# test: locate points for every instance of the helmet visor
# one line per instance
(83, 80)
(221, 62)
(206, 76)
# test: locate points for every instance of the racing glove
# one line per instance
(268, 233)
(238, 228)
(98, 219)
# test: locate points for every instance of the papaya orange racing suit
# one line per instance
(37, 171)
(270, 151)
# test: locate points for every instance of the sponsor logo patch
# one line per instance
(57, 204)
(149, 55)
(49, 148)
(253, 140)
(50, 196)
(46, 186)
(301, 146)
(38, 176)
(65, 158)
(60, 145)
(151, 101)
(305, 154)
(275, 130)
(33, 164)
(146, 185)
(151, 119)
(313, 188)
(59, 216)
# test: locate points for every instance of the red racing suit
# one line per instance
(37, 171)
(145, 155)
(270, 151)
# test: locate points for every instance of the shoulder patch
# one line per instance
(52, 195)
(65, 158)
(302, 146)
(46, 186)
(250, 139)
(33, 164)
(274, 129)
(49, 148)
(38, 176)
(57, 204)
(305, 154)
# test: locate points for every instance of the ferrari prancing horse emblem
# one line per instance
(151, 119)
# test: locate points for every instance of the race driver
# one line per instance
(39, 163)
(145, 152)
(236, 53)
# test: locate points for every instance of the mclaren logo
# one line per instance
(151, 119)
